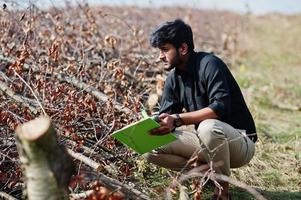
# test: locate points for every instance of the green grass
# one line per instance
(271, 80)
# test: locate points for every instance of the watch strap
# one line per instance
(178, 121)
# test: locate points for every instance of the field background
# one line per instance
(107, 49)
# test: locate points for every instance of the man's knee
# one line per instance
(210, 133)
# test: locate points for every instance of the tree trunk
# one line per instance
(48, 167)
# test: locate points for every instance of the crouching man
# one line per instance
(202, 85)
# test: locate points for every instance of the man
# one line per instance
(202, 85)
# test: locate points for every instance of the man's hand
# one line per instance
(166, 125)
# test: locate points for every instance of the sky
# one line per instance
(256, 6)
(241, 6)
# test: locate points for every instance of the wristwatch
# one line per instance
(178, 121)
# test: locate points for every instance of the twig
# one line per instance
(96, 166)
(91, 163)
(131, 193)
(17, 98)
(183, 193)
(31, 92)
(82, 195)
(7, 196)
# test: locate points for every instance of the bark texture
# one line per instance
(47, 166)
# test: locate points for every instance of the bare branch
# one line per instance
(33, 93)
(82, 195)
(96, 166)
(17, 98)
(7, 196)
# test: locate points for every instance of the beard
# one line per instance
(168, 67)
(176, 61)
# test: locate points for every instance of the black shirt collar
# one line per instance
(190, 65)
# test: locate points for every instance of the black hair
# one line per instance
(174, 32)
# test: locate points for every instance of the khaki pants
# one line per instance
(213, 141)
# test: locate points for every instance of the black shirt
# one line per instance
(207, 82)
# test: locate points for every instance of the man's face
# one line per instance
(170, 55)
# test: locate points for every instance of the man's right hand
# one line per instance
(166, 125)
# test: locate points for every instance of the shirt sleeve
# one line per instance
(217, 88)
(169, 103)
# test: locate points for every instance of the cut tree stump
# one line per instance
(47, 166)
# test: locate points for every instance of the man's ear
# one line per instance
(183, 49)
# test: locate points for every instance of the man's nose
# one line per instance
(161, 56)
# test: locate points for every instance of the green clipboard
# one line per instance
(137, 136)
